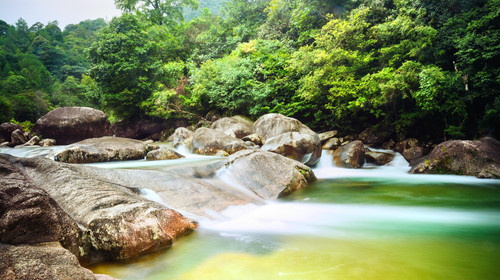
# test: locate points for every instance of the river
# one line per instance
(369, 223)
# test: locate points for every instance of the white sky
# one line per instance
(64, 11)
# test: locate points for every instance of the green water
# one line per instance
(346, 228)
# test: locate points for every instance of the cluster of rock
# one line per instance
(55, 215)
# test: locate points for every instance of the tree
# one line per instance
(126, 62)
(168, 12)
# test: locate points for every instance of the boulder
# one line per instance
(332, 144)
(117, 222)
(267, 174)
(35, 140)
(351, 155)
(378, 158)
(292, 137)
(163, 154)
(68, 125)
(28, 215)
(271, 125)
(298, 146)
(47, 142)
(479, 158)
(180, 136)
(207, 141)
(410, 149)
(6, 130)
(17, 138)
(44, 262)
(237, 126)
(102, 150)
(326, 136)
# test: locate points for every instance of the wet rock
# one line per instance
(267, 174)
(68, 125)
(237, 126)
(298, 146)
(378, 158)
(463, 157)
(17, 138)
(389, 144)
(326, 136)
(410, 149)
(163, 154)
(47, 142)
(180, 136)
(207, 141)
(291, 138)
(351, 155)
(44, 262)
(102, 150)
(6, 130)
(117, 222)
(332, 144)
(222, 154)
(375, 136)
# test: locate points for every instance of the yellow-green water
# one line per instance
(347, 228)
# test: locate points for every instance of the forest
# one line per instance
(418, 68)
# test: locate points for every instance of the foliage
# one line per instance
(168, 12)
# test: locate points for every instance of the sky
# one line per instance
(64, 11)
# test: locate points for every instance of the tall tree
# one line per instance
(168, 12)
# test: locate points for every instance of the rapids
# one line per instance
(369, 223)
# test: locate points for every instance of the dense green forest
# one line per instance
(419, 68)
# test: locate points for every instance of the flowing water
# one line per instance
(370, 223)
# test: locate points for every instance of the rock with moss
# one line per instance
(479, 158)
(410, 149)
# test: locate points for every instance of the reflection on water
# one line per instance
(357, 226)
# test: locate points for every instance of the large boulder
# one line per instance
(351, 155)
(271, 125)
(207, 141)
(181, 136)
(237, 126)
(117, 222)
(463, 157)
(6, 130)
(28, 215)
(299, 140)
(102, 150)
(68, 125)
(43, 262)
(298, 146)
(267, 174)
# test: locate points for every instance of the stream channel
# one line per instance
(369, 223)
